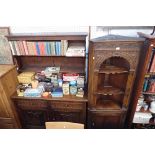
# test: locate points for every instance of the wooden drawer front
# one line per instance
(31, 104)
(6, 123)
(67, 105)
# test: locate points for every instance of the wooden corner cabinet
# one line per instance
(8, 84)
(33, 112)
(113, 62)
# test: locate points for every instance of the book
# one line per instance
(151, 60)
(30, 48)
(37, 48)
(22, 48)
(52, 47)
(42, 48)
(25, 47)
(12, 48)
(152, 65)
(16, 47)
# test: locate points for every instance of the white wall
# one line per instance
(125, 30)
(49, 29)
(96, 31)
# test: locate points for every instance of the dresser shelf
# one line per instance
(108, 105)
(109, 90)
(112, 70)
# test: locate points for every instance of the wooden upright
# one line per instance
(8, 84)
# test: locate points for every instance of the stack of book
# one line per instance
(54, 48)
(76, 49)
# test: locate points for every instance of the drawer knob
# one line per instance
(117, 48)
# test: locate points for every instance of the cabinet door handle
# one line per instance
(93, 124)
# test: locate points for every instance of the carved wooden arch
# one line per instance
(130, 56)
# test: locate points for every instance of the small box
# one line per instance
(30, 92)
(70, 77)
(26, 77)
(57, 92)
(65, 88)
(80, 82)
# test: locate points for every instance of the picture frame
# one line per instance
(5, 50)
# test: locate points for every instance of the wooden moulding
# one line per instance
(45, 37)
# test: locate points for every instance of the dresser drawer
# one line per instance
(6, 123)
(66, 105)
(33, 104)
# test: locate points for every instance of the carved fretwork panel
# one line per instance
(130, 56)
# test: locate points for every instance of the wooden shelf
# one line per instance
(64, 98)
(109, 90)
(112, 70)
(48, 36)
(49, 56)
(148, 93)
(107, 105)
(149, 73)
(62, 70)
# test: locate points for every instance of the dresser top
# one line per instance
(5, 69)
(116, 38)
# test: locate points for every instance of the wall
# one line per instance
(96, 31)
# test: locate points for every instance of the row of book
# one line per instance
(151, 65)
(149, 84)
(55, 48)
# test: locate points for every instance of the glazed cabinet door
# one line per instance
(106, 120)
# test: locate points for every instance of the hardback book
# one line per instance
(153, 64)
(42, 48)
(30, 48)
(25, 47)
(37, 48)
(16, 47)
(12, 47)
(52, 44)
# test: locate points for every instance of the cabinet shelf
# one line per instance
(62, 70)
(111, 70)
(148, 93)
(108, 105)
(48, 56)
(108, 90)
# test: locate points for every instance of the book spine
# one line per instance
(46, 48)
(52, 47)
(56, 48)
(59, 45)
(145, 85)
(37, 48)
(34, 48)
(65, 46)
(17, 49)
(25, 47)
(62, 47)
(153, 64)
(12, 48)
(22, 48)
